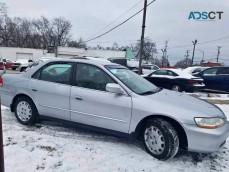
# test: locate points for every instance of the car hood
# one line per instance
(177, 106)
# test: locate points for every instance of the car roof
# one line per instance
(88, 61)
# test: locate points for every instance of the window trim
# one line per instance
(51, 63)
(208, 70)
(75, 72)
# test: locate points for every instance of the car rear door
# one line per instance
(209, 76)
(50, 89)
(92, 105)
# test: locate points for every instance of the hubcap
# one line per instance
(176, 88)
(154, 140)
(24, 111)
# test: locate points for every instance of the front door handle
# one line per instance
(33, 89)
(78, 98)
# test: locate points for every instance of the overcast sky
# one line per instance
(166, 20)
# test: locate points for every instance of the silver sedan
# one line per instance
(110, 98)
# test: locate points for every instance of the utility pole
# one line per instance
(187, 55)
(166, 46)
(219, 47)
(142, 37)
(194, 48)
(163, 57)
(1, 143)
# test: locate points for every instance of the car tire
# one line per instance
(176, 88)
(22, 69)
(25, 111)
(160, 139)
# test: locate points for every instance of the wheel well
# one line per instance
(15, 99)
(180, 131)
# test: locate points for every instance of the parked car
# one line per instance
(149, 68)
(21, 64)
(2, 67)
(216, 78)
(194, 69)
(40, 60)
(8, 64)
(175, 79)
(110, 98)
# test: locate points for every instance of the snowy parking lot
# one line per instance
(50, 146)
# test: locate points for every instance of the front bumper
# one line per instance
(206, 140)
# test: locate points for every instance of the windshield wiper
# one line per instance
(148, 92)
(151, 91)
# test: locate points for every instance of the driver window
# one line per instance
(92, 77)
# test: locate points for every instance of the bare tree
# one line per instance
(54, 33)
(149, 49)
(184, 63)
(61, 31)
(7, 29)
(78, 43)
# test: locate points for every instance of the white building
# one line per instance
(65, 52)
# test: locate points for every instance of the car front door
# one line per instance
(92, 105)
(50, 89)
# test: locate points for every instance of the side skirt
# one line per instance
(130, 137)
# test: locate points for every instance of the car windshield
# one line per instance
(133, 81)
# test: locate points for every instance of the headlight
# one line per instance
(209, 122)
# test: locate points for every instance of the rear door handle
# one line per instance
(78, 98)
(33, 89)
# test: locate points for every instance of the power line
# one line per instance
(115, 19)
(119, 24)
(183, 46)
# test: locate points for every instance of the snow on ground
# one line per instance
(50, 146)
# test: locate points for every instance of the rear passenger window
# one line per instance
(58, 73)
(160, 72)
(224, 71)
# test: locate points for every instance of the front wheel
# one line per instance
(160, 139)
(25, 111)
(23, 69)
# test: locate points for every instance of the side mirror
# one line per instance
(114, 88)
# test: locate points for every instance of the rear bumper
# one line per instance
(6, 98)
(206, 140)
(193, 87)
(15, 66)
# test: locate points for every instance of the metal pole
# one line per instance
(194, 48)
(142, 38)
(1, 143)
(218, 53)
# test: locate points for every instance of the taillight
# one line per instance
(1, 81)
(1, 66)
(192, 82)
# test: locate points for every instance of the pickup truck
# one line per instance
(21, 64)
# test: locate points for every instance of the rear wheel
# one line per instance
(25, 111)
(176, 88)
(160, 139)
